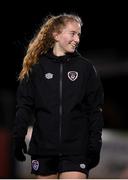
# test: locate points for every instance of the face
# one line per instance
(68, 39)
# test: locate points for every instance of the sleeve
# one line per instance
(94, 105)
(24, 107)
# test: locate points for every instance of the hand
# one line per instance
(19, 149)
(93, 159)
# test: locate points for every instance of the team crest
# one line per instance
(35, 164)
(72, 75)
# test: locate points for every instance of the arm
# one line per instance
(24, 111)
(24, 107)
(94, 103)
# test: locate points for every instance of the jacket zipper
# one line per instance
(60, 107)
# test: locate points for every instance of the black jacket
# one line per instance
(66, 96)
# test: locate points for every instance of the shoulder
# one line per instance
(86, 63)
(82, 59)
(88, 67)
(36, 68)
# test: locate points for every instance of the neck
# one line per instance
(57, 51)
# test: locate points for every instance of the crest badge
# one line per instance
(35, 164)
(72, 75)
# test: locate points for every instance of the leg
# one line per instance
(73, 167)
(44, 167)
(53, 176)
(72, 175)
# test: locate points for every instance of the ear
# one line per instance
(55, 35)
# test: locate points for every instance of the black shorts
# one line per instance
(48, 165)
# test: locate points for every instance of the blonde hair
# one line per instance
(44, 40)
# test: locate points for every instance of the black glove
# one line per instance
(93, 159)
(19, 149)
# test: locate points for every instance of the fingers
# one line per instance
(20, 156)
(20, 148)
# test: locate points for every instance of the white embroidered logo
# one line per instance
(72, 75)
(82, 166)
(48, 75)
(35, 164)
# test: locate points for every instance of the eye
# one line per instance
(72, 33)
(79, 34)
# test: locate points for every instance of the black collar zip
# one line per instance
(60, 106)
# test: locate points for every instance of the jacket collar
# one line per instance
(59, 59)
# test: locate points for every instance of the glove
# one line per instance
(19, 149)
(93, 159)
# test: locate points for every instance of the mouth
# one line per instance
(74, 45)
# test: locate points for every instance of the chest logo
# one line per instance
(82, 166)
(72, 75)
(48, 75)
(35, 164)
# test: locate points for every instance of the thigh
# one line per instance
(53, 176)
(72, 175)
(72, 166)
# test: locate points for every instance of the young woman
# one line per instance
(64, 93)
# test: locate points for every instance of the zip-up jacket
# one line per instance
(66, 97)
